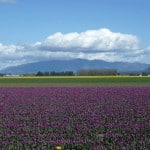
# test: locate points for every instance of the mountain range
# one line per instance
(74, 65)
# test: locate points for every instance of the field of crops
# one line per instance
(75, 118)
(75, 79)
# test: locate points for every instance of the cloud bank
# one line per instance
(101, 44)
(98, 40)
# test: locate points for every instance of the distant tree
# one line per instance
(39, 73)
(2, 74)
(144, 73)
(148, 70)
(46, 73)
(53, 73)
(133, 74)
(69, 73)
(96, 72)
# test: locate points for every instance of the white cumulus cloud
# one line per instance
(101, 44)
(97, 40)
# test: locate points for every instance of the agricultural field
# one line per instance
(75, 112)
(79, 118)
(76, 81)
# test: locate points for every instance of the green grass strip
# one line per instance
(75, 79)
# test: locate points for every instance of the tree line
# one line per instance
(54, 73)
(97, 72)
(83, 72)
(87, 72)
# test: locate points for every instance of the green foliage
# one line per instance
(74, 79)
(53, 73)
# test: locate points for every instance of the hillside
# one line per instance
(73, 65)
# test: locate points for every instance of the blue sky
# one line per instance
(28, 24)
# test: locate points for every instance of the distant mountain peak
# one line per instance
(73, 65)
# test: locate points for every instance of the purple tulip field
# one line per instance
(75, 118)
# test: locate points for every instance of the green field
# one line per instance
(84, 81)
(74, 79)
